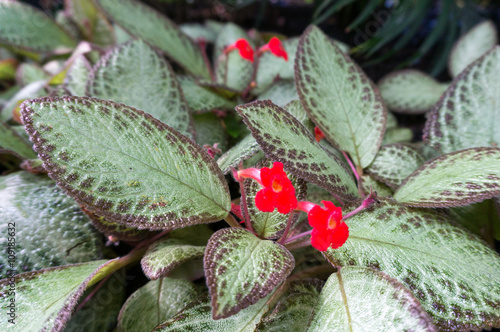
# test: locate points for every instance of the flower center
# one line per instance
(332, 223)
(277, 187)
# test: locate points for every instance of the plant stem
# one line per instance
(353, 168)
(367, 202)
(94, 291)
(203, 46)
(231, 222)
(288, 226)
(298, 236)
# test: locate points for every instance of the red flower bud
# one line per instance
(275, 47)
(318, 134)
(243, 46)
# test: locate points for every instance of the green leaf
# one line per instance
(450, 271)
(295, 310)
(471, 46)
(280, 93)
(115, 231)
(394, 163)
(198, 31)
(101, 311)
(482, 219)
(453, 179)
(209, 130)
(154, 303)
(29, 72)
(91, 21)
(75, 81)
(48, 227)
(201, 99)
(245, 149)
(369, 183)
(467, 114)
(241, 269)
(149, 85)
(232, 70)
(197, 317)
(165, 255)
(45, 299)
(8, 69)
(410, 91)
(270, 225)
(28, 28)
(13, 143)
(124, 164)
(397, 135)
(146, 23)
(285, 139)
(271, 66)
(339, 97)
(362, 299)
(297, 111)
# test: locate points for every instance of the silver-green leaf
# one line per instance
(125, 165)
(47, 227)
(451, 272)
(477, 41)
(201, 99)
(242, 269)
(410, 91)
(283, 138)
(339, 97)
(453, 179)
(243, 150)
(467, 114)
(28, 28)
(146, 23)
(362, 299)
(154, 303)
(134, 74)
(12, 142)
(394, 163)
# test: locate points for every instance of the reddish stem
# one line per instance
(203, 46)
(288, 226)
(353, 168)
(94, 291)
(298, 236)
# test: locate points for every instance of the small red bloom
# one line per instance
(329, 230)
(278, 191)
(318, 134)
(242, 45)
(275, 47)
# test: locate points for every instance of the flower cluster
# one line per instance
(246, 51)
(329, 230)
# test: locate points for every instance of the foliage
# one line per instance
(123, 140)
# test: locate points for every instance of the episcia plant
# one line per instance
(122, 216)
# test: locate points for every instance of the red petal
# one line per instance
(265, 200)
(319, 240)
(318, 217)
(277, 48)
(338, 236)
(246, 51)
(286, 202)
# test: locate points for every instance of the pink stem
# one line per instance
(203, 46)
(298, 236)
(288, 226)
(94, 291)
(346, 156)
(367, 202)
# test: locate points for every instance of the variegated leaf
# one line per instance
(46, 299)
(245, 149)
(280, 93)
(410, 91)
(28, 28)
(482, 219)
(149, 85)
(339, 97)
(242, 269)
(362, 299)
(154, 303)
(125, 165)
(76, 78)
(283, 138)
(394, 163)
(451, 272)
(166, 254)
(43, 226)
(453, 179)
(144, 22)
(471, 46)
(467, 115)
(201, 99)
(91, 22)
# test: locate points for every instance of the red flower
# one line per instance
(329, 230)
(275, 47)
(318, 134)
(278, 191)
(242, 45)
